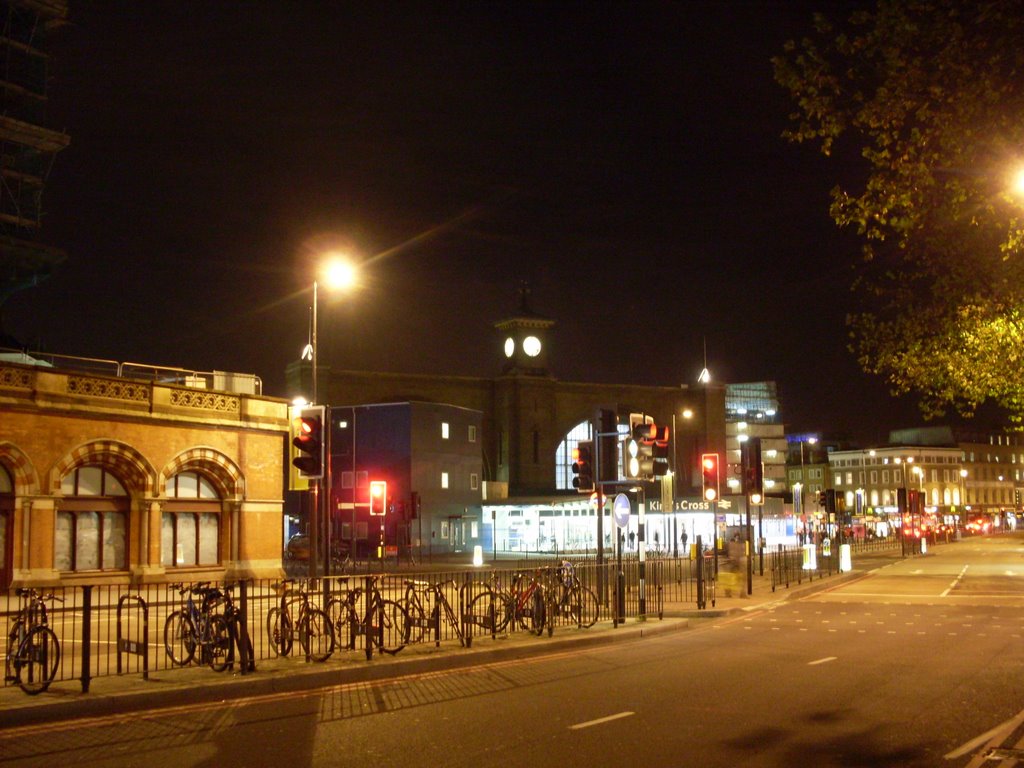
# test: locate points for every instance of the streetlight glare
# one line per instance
(339, 274)
(1018, 181)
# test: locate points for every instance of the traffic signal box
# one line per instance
(309, 440)
(583, 466)
(752, 470)
(646, 449)
(710, 476)
(378, 497)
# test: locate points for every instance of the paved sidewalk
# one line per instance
(165, 688)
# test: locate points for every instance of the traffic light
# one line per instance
(583, 466)
(310, 442)
(608, 444)
(646, 449)
(752, 470)
(709, 473)
(378, 497)
(830, 501)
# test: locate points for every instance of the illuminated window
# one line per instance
(444, 479)
(444, 430)
(190, 523)
(92, 522)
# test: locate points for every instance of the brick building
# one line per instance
(122, 479)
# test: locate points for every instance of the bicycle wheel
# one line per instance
(588, 607)
(344, 621)
(386, 626)
(414, 620)
(487, 611)
(218, 643)
(37, 660)
(538, 613)
(279, 631)
(14, 638)
(316, 635)
(179, 639)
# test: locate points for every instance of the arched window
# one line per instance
(92, 522)
(190, 524)
(563, 454)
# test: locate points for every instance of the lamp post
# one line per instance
(338, 274)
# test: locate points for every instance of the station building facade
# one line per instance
(529, 424)
(114, 479)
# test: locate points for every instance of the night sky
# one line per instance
(624, 159)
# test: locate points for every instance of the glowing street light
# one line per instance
(337, 274)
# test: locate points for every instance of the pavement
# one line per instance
(178, 687)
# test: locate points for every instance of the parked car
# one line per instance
(297, 548)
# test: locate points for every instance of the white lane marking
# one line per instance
(956, 581)
(822, 661)
(993, 737)
(600, 720)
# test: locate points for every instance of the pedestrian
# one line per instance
(684, 537)
(632, 539)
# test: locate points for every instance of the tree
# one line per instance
(931, 93)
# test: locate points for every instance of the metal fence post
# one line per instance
(86, 637)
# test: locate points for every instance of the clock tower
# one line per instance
(524, 340)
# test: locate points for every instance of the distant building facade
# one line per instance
(529, 424)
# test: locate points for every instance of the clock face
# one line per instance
(531, 346)
(510, 346)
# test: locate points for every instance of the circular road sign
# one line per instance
(620, 510)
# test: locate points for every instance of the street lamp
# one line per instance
(338, 273)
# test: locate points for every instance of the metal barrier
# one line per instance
(106, 630)
(126, 645)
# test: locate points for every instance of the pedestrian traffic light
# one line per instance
(583, 466)
(709, 473)
(310, 442)
(378, 497)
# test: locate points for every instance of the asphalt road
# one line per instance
(916, 664)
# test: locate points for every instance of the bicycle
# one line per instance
(196, 626)
(523, 605)
(33, 650)
(569, 598)
(313, 626)
(381, 621)
(419, 617)
(233, 617)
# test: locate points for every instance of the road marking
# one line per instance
(956, 581)
(822, 661)
(600, 720)
(993, 736)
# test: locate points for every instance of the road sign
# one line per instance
(620, 510)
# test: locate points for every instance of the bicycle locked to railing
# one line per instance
(198, 625)
(296, 615)
(568, 598)
(33, 651)
(357, 611)
(426, 605)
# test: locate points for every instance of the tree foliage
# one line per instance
(931, 93)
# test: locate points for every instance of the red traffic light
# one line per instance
(309, 442)
(710, 476)
(378, 497)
